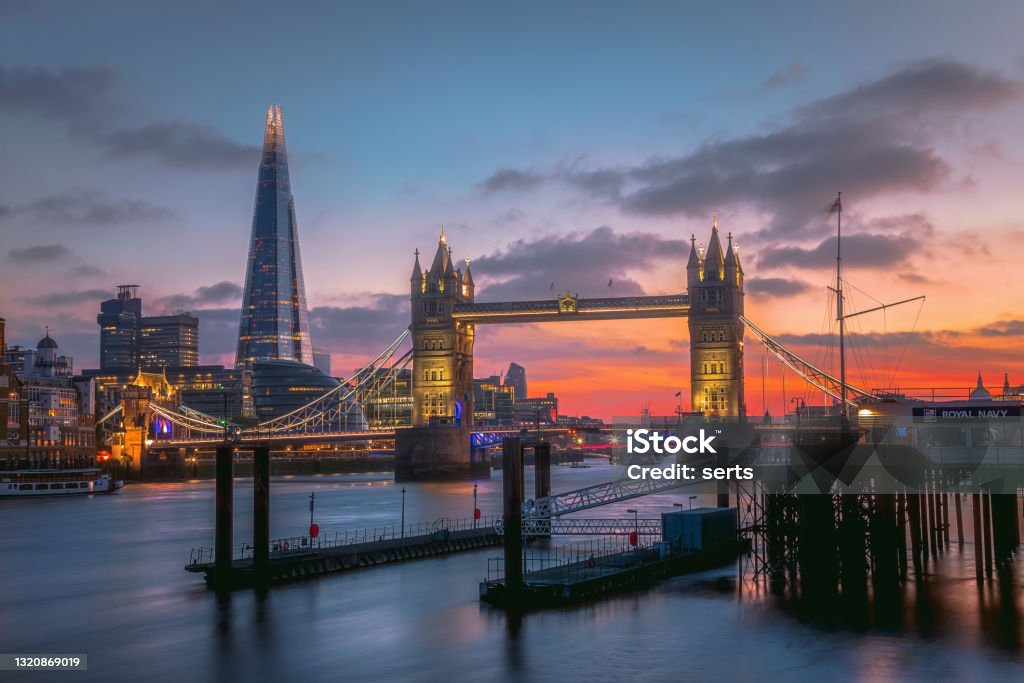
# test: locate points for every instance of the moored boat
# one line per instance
(56, 482)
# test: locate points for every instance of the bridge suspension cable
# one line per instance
(813, 374)
(336, 404)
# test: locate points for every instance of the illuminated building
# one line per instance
(119, 321)
(388, 402)
(442, 386)
(274, 323)
(715, 285)
(281, 386)
(129, 341)
(48, 416)
(168, 341)
(515, 377)
(543, 408)
(493, 402)
(200, 387)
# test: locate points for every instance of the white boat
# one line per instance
(56, 482)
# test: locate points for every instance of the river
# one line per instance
(104, 576)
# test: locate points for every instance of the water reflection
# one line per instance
(113, 587)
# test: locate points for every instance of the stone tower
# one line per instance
(442, 385)
(715, 285)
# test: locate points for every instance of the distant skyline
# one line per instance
(572, 143)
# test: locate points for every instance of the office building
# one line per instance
(168, 341)
(274, 323)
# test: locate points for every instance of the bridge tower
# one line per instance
(715, 285)
(442, 384)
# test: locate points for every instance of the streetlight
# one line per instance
(636, 534)
(679, 505)
(224, 394)
(692, 498)
(800, 403)
(403, 512)
(476, 510)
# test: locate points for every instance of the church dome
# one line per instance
(46, 342)
(980, 393)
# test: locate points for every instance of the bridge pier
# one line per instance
(436, 453)
(261, 511)
(225, 508)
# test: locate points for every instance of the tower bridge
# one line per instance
(443, 441)
(444, 314)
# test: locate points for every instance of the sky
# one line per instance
(563, 142)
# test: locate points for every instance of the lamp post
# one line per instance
(403, 512)
(224, 394)
(475, 513)
(679, 505)
(692, 498)
(800, 403)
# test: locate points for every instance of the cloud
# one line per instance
(870, 140)
(509, 179)
(215, 293)
(86, 270)
(775, 287)
(1003, 328)
(40, 252)
(71, 95)
(85, 99)
(860, 250)
(74, 298)
(360, 328)
(182, 144)
(580, 262)
(87, 208)
(794, 72)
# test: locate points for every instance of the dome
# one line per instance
(46, 342)
(980, 393)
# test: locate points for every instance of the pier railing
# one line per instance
(578, 562)
(297, 545)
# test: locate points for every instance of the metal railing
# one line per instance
(298, 545)
(579, 562)
(585, 527)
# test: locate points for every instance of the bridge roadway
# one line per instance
(482, 437)
(573, 308)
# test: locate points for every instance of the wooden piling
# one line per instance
(959, 519)
(986, 530)
(979, 539)
(261, 510)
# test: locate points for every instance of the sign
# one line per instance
(314, 530)
(981, 412)
(476, 513)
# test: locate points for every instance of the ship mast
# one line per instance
(839, 304)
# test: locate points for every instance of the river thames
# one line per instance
(103, 576)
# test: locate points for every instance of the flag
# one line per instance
(837, 205)
(679, 393)
(609, 282)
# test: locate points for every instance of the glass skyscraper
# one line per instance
(275, 322)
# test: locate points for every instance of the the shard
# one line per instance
(275, 322)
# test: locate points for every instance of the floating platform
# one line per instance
(598, 577)
(298, 563)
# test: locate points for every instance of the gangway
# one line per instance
(585, 527)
